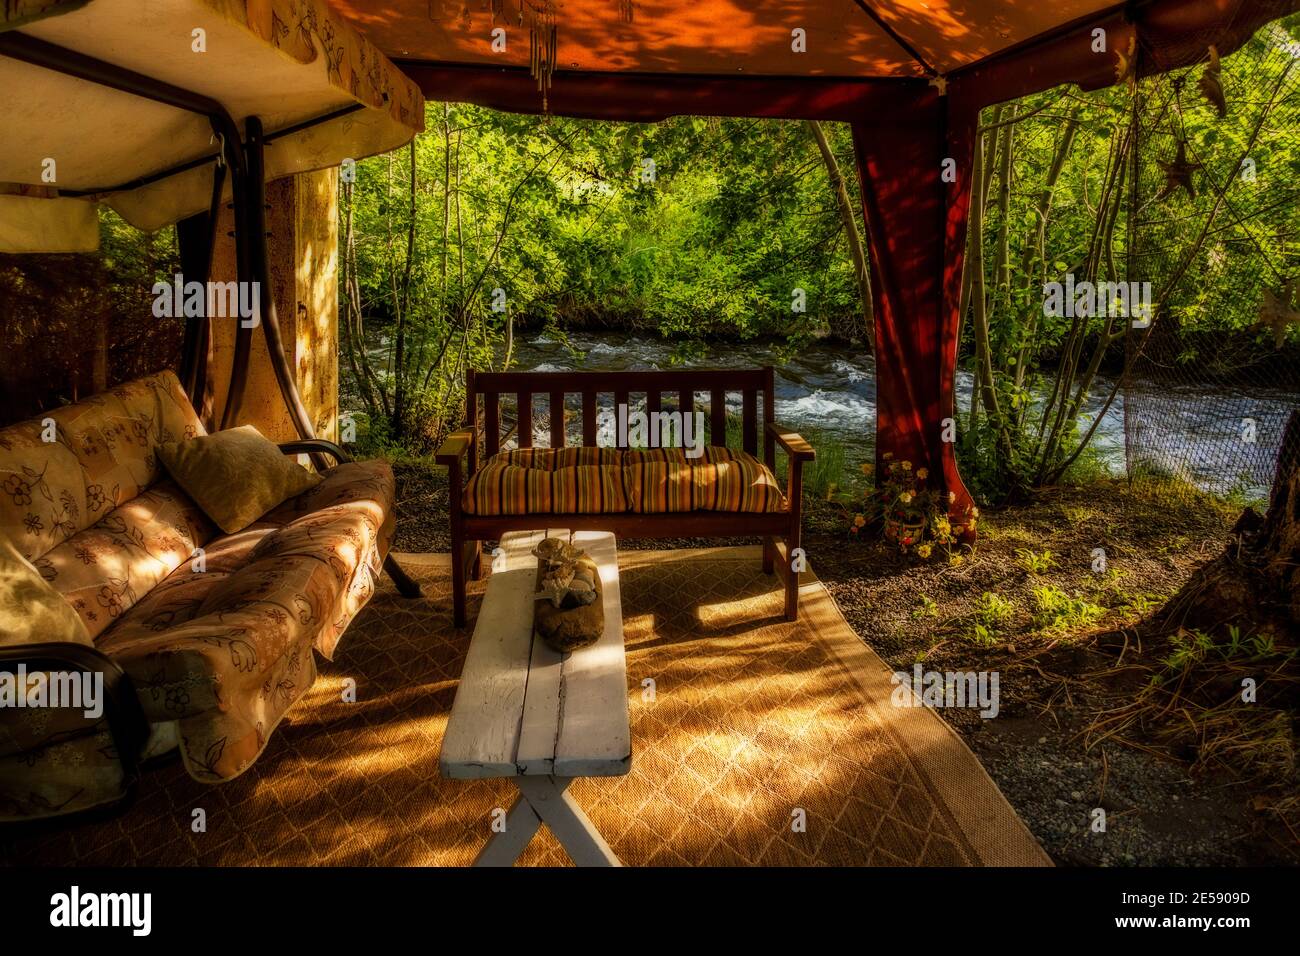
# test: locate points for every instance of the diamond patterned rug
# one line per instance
(739, 721)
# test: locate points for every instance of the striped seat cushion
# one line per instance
(503, 488)
(551, 459)
(535, 481)
(722, 479)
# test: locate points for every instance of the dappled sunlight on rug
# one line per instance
(739, 721)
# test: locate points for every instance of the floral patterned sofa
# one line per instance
(213, 632)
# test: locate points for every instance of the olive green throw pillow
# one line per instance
(236, 475)
(31, 611)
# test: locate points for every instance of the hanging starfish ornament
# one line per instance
(1178, 172)
(1211, 84)
(1276, 312)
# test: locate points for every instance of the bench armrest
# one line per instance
(126, 720)
(456, 447)
(315, 446)
(792, 442)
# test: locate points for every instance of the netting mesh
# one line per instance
(1214, 226)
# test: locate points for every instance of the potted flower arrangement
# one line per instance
(912, 515)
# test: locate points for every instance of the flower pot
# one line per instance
(904, 531)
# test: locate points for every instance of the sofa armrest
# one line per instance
(456, 447)
(315, 447)
(795, 447)
(126, 720)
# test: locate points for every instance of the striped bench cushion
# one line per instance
(663, 480)
(535, 481)
(551, 459)
(501, 488)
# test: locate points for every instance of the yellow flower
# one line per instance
(859, 521)
(923, 550)
(906, 465)
(952, 496)
(923, 473)
(905, 497)
(887, 455)
(955, 559)
(974, 512)
(868, 468)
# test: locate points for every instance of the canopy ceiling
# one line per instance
(288, 62)
(848, 38)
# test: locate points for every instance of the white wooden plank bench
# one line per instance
(539, 717)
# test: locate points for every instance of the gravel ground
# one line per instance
(1157, 812)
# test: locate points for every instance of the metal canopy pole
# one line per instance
(260, 272)
(37, 52)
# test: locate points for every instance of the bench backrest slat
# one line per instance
(681, 384)
(557, 419)
(525, 414)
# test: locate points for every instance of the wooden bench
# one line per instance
(483, 436)
(537, 716)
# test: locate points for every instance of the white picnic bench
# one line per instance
(537, 716)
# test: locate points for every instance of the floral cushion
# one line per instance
(64, 765)
(107, 568)
(226, 650)
(100, 455)
(216, 631)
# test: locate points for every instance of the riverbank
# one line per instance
(1057, 672)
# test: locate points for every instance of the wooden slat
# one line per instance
(673, 380)
(492, 422)
(686, 401)
(620, 401)
(482, 735)
(525, 419)
(718, 417)
(595, 737)
(653, 400)
(557, 419)
(769, 416)
(575, 721)
(589, 419)
(749, 422)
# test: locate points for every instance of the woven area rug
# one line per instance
(751, 720)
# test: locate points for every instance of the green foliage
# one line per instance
(1034, 563)
(825, 476)
(1055, 193)
(559, 215)
(992, 614)
(1057, 612)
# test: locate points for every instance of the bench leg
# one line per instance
(504, 847)
(547, 800)
(552, 802)
(406, 587)
(457, 579)
(791, 594)
(476, 562)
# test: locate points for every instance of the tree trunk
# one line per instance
(856, 247)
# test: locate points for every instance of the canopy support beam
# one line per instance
(254, 150)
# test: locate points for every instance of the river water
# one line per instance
(1222, 440)
(1219, 439)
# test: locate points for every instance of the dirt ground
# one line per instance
(1056, 675)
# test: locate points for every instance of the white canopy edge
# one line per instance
(285, 61)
